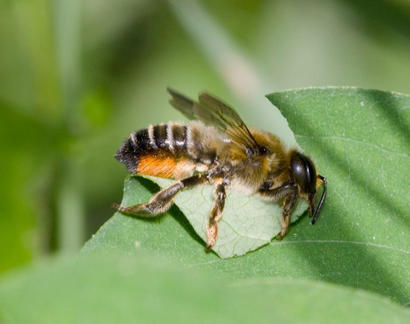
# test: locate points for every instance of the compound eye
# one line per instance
(304, 173)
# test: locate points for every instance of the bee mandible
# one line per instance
(218, 149)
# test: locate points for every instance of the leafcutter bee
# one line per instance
(218, 149)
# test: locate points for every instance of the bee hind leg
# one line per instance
(215, 215)
(162, 200)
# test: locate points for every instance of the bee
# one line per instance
(217, 148)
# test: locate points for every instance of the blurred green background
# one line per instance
(78, 76)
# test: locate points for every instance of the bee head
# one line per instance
(305, 176)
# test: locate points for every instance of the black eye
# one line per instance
(263, 150)
(304, 172)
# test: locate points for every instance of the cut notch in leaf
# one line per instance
(248, 222)
(241, 222)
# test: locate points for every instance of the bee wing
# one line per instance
(182, 104)
(214, 112)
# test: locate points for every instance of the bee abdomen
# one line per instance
(168, 139)
(170, 136)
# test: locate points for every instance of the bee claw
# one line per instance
(116, 206)
(137, 210)
(210, 245)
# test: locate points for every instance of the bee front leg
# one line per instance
(288, 205)
(289, 193)
(215, 215)
(162, 200)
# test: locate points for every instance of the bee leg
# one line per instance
(288, 205)
(162, 200)
(215, 215)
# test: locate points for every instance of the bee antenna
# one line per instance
(322, 200)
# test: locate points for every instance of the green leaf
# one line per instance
(137, 288)
(360, 142)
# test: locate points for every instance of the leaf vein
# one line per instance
(352, 140)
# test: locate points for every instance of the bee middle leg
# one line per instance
(215, 215)
(162, 200)
(288, 205)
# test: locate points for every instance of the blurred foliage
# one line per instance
(76, 77)
(137, 287)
